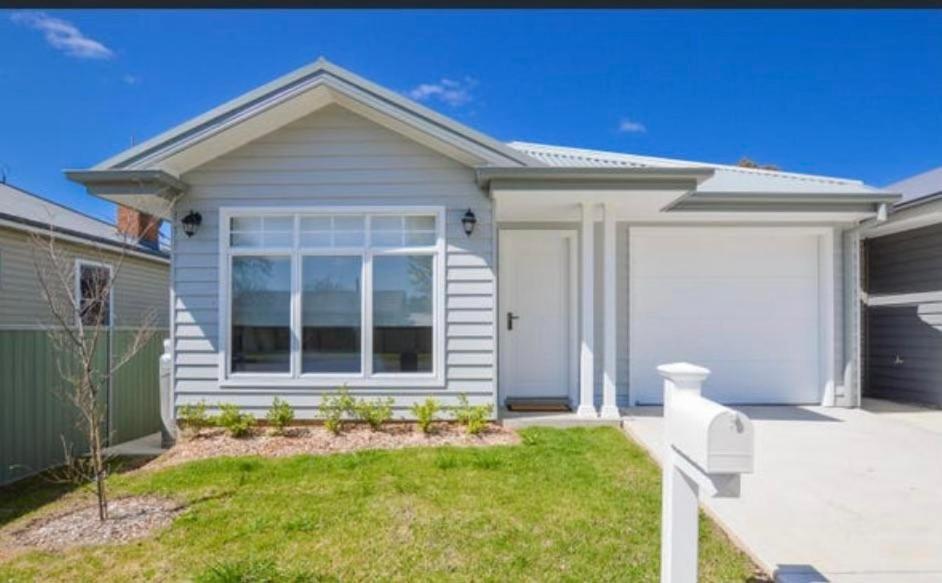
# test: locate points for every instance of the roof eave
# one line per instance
(127, 187)
(868, 202)
(916, 202)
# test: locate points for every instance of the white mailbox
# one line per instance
(706, 448)
(715, 438)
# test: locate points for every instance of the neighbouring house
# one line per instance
(34, 415)
(903, 283)
(338, 233)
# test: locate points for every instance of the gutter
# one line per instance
(911, 212)
(778, 201)
(141, 179)
(112, 185)
(925, 199)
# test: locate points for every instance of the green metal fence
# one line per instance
(35, 415)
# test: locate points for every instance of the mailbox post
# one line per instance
(707, 447)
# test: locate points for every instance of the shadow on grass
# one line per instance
(34, 492)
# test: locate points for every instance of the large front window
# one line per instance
(334, 294)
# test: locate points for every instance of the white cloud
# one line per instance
(131, 79)
(448, 91)
(63, 35)
(627, 126)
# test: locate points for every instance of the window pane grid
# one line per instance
(403, 231)
(361, 299)
(264, 231)
(332, 231)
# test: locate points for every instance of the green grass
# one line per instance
(577, 505)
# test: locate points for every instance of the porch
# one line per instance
(755, 296)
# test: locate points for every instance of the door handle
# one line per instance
(510, 320)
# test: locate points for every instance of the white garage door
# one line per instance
(742, 302)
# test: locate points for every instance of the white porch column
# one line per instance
(587, 302)
(609, 316)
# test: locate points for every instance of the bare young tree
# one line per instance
(79, 295)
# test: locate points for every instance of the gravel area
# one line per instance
(128, 519)
(317, 440)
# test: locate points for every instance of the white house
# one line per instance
(332, 249)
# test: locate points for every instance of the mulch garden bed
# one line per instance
(316, 440)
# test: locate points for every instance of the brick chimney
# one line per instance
(139, 226)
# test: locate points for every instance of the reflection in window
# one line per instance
(261, 314)
(402, 313)
(95, 298)
(330, 308)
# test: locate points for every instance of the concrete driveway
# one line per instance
(837, 494)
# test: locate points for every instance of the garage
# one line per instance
(748, 303)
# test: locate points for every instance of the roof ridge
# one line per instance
(588, 153)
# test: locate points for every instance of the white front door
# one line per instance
(536, 316)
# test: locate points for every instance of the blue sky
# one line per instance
(845, 93)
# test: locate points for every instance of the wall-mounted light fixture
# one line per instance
(468, 221)
(191, 223)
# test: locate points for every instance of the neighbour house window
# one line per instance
(334, 294)
(93, 290)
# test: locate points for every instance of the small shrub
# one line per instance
(425, 414)
(335, 408)
(192, 418)
(474, 417)
(280, 416)
(375, 412)
(238, 424)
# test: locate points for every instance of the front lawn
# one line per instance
(577, 504)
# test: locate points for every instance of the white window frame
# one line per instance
(77, 289)
(295, 378)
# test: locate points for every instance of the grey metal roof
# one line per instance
(20, 206)
(920, 186)
(725, 179)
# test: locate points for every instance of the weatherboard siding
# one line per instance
(903, 345)
(335, 157)
(142, 285)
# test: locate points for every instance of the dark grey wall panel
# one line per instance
(903, 351)
(907, 262)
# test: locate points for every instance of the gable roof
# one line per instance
(345, 87)
(725, 179)
(919, 188)
(148, 175)
(25, 210)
